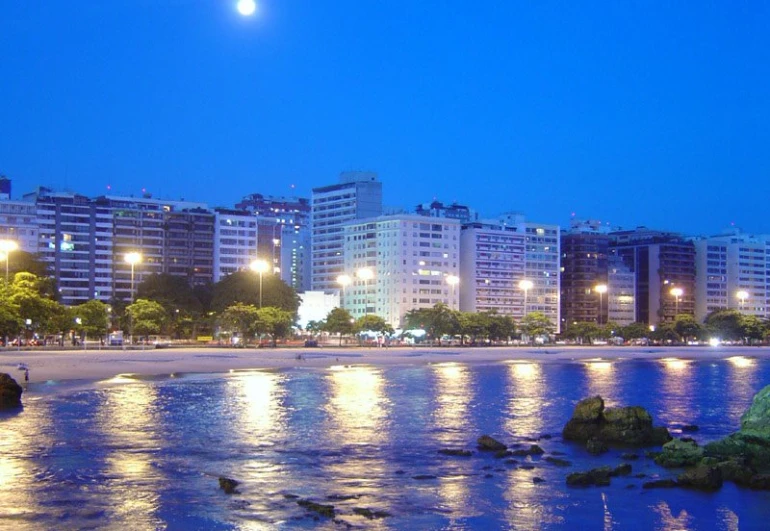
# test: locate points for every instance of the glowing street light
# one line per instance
(7, 247)
(677, 293)
(132, 259)
(260, 266)
(246, 7)
(526, 285)
(601, 289)
(453, 280)
(742, 295)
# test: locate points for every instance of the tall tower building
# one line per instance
(358, 195)
(584, 269)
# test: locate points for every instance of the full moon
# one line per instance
(246, 7)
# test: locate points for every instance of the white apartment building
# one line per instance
(498, 254)
(400, 263)
(358, 195)
(295, 256)
(18, 222)
(235, 241)
(732, 272)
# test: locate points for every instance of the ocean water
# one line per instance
(146, 453)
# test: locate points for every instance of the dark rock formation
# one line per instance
(368, 513)
(679, 453)
(10, 392)
(660, 484)
(487, 443)
(597, 476)
(621, 470)
(228, 485)
(702, 477)
(596, 447)
(323, 510)
(628, 426)
(557, 461)
(455, 452)
(532, 450)
(422, 477)
(629, 456)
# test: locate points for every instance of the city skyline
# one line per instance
(635, 116)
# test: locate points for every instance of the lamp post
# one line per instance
(742, 296)
(526, 285)
(344, 281)
(132, 259)
(260, 266)
(601, 289)
(453, 280)
(7, 247)
(677, 293)
(365, 274)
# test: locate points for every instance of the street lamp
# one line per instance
(7, 247)
(260, 266)
(601, 289)
(742, 295)
(344, 281)
(677, 293)
(453, 280)
(526, 285)
(133, 259)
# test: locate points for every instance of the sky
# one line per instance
(633, 113)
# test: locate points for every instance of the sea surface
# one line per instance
(136, 454)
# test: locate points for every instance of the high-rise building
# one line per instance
(358, 195)
(584, 274)
(437, 209)
(18, 222)
(235, 241)
(621, 292)
(664, 268)
(497, 274)
(732, 272)
(400, 263)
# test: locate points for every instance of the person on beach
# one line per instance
(26, 378)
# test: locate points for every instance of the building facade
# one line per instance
(357, 196)
(400, 263)
(235, 241)
(584, 268)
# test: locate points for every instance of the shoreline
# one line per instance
(97, 365)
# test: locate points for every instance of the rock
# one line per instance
(500, 454)
(597, 476)
(323, 510)
(702, 477)
(368, 513)
(532, 450)
(10, 392)
(660, 484)
(629, 426)
(756, 419)
(558, 462)
(750, 446)
(422, 477)
(760, 482)
(455, 453)
(689, 428)
(537, 480)
(596, 447)
(489, 444)
(621, 470)
(629, 456)
(679, 453)
(228, 485)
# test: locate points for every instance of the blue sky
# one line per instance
(635, 113)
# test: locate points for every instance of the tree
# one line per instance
(584, 331)
(501, 327)
(339, 321)
(241, 318)
(724, 324)
(183, 308)
(313, 327)
(635, 331)
(436, 321)
(473, 325)
(243, 286)
(536, 324)
(94, 318)
(752, 328)
(664, 333)
(145, 317)
(374, 323)
(687, 327)
(274, 322)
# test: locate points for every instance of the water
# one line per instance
(146, 454)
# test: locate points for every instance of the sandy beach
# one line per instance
(52, 365)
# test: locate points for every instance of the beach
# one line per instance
(95, 364)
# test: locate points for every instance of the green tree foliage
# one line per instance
(501, 327)
(473, 325)
(536, 324)
(584, 332)
(172, 292)
(373, 323)
(436, 321)
(274, 322)
(724, 324)
(145, 317)
(240, 318)
(314, 327)
(752, 328)
(94, 318)
(665, 333)
(243, 286)
(635, 331)
(339, 321)
(687, 328)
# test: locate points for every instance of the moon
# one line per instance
(246, 7)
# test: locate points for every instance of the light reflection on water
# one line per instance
(145, 455)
